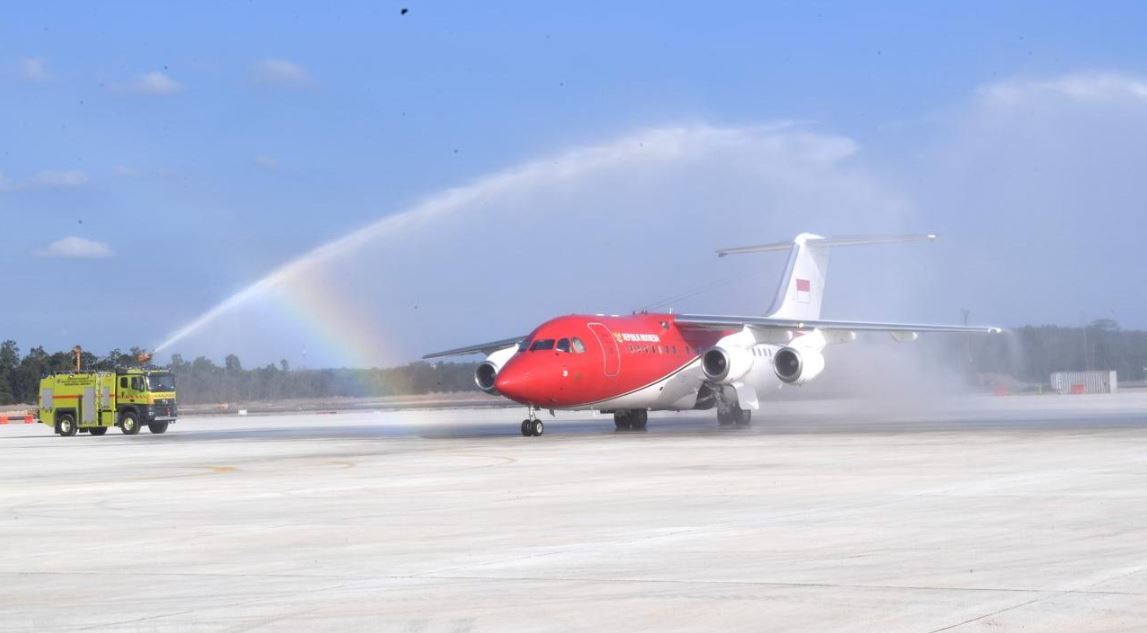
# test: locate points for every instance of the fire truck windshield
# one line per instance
(160, 382)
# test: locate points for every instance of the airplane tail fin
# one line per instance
(802, 285)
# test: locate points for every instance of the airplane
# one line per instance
(631, 365)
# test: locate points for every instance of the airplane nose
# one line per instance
(512, 382)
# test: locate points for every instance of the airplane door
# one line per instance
(608, 347)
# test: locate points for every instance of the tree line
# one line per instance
(1029, 354)
(1032, 353)
(202, 381)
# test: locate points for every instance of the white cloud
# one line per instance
(57, 180)
(1087, 87)
(46, 180)
(153, 83)
(1037, 180)
(34, 69)
(281, 73)
(267, 162)
(76, 247)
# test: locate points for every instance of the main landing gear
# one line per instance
(532, 425)
(734, 416)
(630, 419)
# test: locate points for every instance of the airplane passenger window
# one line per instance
(542, 345)
(578, 346)
(564, 345)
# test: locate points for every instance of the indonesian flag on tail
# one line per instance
(804, 290)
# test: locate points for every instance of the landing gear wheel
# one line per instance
(527, 428)
(724, 418)
(98, 430)
(129, 423)
(537, 428)
(66, 425)
(157, 427)
(743, 418)
(622, 420)
(638, 419)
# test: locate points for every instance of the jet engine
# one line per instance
(488, 370)
(726, 365)
(797, 367)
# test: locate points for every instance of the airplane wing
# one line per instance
(719, 322)
(481, 348)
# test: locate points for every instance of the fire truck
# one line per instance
(95, 401)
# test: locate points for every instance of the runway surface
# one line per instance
(981, 514)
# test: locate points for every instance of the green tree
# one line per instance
(9, 361)
(232, 364)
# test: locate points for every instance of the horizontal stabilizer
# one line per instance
(852, 240)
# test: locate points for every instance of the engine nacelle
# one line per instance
(726, 365)
(487, 372)
(796, 367)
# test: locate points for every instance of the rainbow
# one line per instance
(340, 329)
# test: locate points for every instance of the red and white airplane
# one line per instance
(630, 365)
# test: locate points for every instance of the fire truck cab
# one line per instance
(95, 401)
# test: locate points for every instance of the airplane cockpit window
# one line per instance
(564, 345)
(578, 346)
(542, 344)
(523, 345)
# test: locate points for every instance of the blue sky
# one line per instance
(156, 159)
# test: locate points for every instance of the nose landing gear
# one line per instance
(532, 426)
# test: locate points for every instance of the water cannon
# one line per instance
(78, 351)
(143, 357)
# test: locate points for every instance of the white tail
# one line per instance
(802, 286)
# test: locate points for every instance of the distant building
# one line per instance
(1076, 382)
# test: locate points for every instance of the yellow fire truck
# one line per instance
(95, 401)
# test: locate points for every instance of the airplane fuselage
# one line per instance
(643, 361)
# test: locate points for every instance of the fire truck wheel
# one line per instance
(129, 424)
(157, 427)
(98, 430)
(66, 425)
